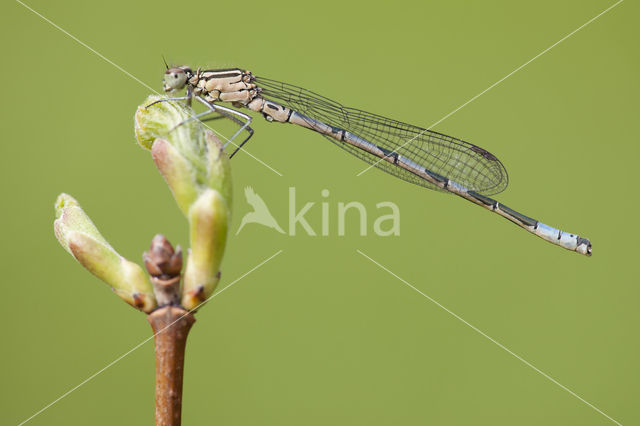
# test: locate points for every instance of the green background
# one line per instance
(320, 335)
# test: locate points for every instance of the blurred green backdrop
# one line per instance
(321, 335)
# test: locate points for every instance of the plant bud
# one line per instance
(80, 237)
(208, 219)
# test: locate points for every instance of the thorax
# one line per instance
(227, 85)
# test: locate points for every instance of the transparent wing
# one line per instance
(465, 163)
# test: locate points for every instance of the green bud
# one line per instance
(71, 217)
(218, 168)
(198, 171)
(176, 172)
(79, 236)
(190, 159)
(208, 219)
(161, 120)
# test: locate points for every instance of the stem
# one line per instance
(171, 326)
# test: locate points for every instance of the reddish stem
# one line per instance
(171, 325)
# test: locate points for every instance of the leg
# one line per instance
(250, 130)
(188, 98)
(179, 98)
(223, 111)
(211, 108)
(197, 116)
(228, 112)
(215, 118)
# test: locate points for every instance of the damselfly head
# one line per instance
(176, 78)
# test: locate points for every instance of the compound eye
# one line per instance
(175, 75)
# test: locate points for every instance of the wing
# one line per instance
(467, 164)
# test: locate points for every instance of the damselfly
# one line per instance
(417, 155)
